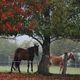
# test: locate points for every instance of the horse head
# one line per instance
(71, 56)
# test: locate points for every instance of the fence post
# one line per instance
(65, 63)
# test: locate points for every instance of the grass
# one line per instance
(53, 69)
(70, 70)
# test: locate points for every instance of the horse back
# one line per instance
(20, 52)
(23, 54)
(56, 60)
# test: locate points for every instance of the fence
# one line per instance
(53, 69)
(5, 65)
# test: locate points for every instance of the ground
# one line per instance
(17, 76)
(72, 74)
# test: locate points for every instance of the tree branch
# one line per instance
(5, 37)
(55, 38)
(36, 39)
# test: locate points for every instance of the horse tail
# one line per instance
(15, 61)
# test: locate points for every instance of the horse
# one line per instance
(59, 60)
(24, 54)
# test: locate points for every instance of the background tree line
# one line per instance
(7, 48)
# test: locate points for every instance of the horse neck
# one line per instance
(68, 58)
(31, 50)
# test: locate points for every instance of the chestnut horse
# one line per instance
(24, 54)
(59, 60)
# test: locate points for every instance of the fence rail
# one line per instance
(37, 62)
(5, 66)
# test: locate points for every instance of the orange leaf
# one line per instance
(9, 27)
(15, 28)
(4, 16)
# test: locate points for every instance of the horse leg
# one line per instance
(32, 66)
(12, 67)
(28, 67)
(18, 66)
(61, 66)
(19, 69)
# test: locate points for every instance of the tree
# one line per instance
(21, 17)
(43, 20)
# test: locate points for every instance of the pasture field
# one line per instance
(53, 69)
(73, 74)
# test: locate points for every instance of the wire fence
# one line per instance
(5, 66)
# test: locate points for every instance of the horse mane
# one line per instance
(70, 53)
(67, 54)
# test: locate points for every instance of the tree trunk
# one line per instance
(43, 67)
(65, 64)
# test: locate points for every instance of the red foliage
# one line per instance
(38, 7)
(45, 2)
(30, 27)
(20, 25)
(9, 8)
(17, 76)
(15, 28)
(2, 27)
(4, 16)
(10, 14)
(9, 27)
(3, 0)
